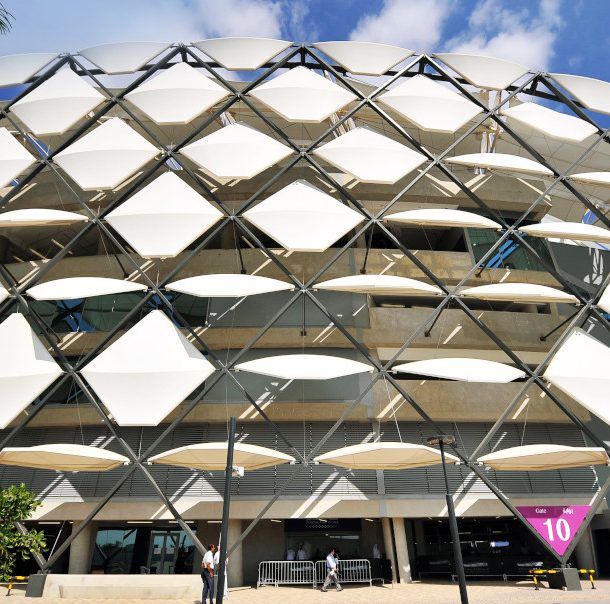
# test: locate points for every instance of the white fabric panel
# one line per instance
(532, 458)
(147, 372)
(301, 218)
(74, 288)
(161, 219)
(57, 104)
(3, 294)
(389, 285)
(463, 370)
(123, 57)
(366, 58)
(17, 69)
(555, 124)
(484, 72)
(300, 95)
(236, 152)
(370, 157)
(213, 457)
(106, 156)
(500, 161)
(62, 458)
(519, 292)
(177, 95)
(593, 94)
(592, 178)
(580, 369)
(39, 217)
(604, 300)
(228, 285)
(441, 217)
(384, 456)
(430, 105)
(242, 54)
(14, 157)
(26, 368)
(576, 231)
(304, 367)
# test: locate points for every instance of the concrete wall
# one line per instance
(265, 542)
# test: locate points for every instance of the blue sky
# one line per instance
(569, 36)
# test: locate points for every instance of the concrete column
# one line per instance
(81, 549)
(235, 568)
(402, 552)
(389, 546)
(201, 533)
(585, 551)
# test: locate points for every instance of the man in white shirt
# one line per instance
(290, 555)
(301, 553)
(331, 568)
(207, 574)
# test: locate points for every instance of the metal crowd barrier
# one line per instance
(286, 572)
(350, 571)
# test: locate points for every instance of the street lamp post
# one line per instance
(443, 440)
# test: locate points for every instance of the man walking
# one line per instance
(207, 574)
(332, 563)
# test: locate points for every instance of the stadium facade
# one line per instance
(142, 167)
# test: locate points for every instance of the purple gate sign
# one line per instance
(556, 524)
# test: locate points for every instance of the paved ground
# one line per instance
(416, 593)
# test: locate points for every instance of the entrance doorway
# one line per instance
(168, 552)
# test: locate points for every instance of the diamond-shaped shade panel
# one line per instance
(123, 57)
(236, 152)
(388, 285)
(177, 96)
(463, 370)
(593, 94)
(3, 294)
(302, 218)
(577, 231)
(26, 368)
(555, 124)
(484, 72)
(370, 157)
(228, 286)
(17, 69)
(106, 156)
(366, 58)
(442, 217)
(501, 161)
(242, 54)
(74, 288)
(601, 179)
(300, 95)
(147, 372)
(14, 158)
(39, 217)
(161, 219)
(57, 104)
(527, 293)
(429, 105)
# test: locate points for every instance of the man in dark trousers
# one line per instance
(332, 563)
(207, 574)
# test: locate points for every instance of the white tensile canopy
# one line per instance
(147, 372)
(463, 370)
(519, 292)
(364, 58)
(441, 217)
(57, 104)
(213, 457)
(533, 458)
(577, 231)
(161, 219)
(500, 161)
(300, 95)
(580, 369)
(593, 94)
(14, 157)
(305, 367)
(26, 368)
(592, 178)
(17, 69)
(384, 456)
(301, 218)
(177, 95)
(228, 285)
(429, 105)
(39, 217)
(106, 156)
(389, 285)
(123, 57)
(552, 123)
(3, 294)
(236, 152)
(484, 72)
(74, 288)
(370, 157)
(242, 54)
(62, 458)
